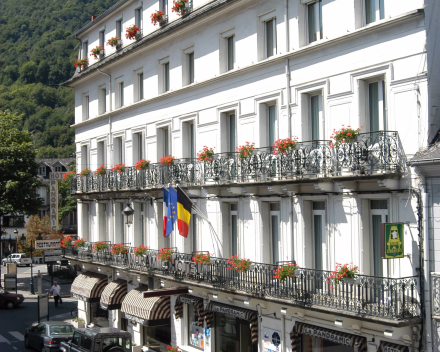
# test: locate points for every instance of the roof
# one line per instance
(101, 16)
(427, 155)
(168, 28)
(103, 331)
(52, 161)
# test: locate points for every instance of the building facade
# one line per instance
(230, 73)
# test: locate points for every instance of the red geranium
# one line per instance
(167, 160)
(344, 135)
(142, 164)
(102, 170)
(179, 7)
(245, 150)
(157, 16)
(81, 63)
(96, 51)
(119, 249)
(68, 175)
(165, 254)
(100, 246)
(346, 271)
(114, 41)
(66, 241)
(140, 250)
(202, 258)
(285, 271)
(130, 32)
(205, 154)
(238, 264)
(119, 167)
(85, 172)
(79, 243)
(173, 349)
(282, 146)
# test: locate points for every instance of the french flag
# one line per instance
(165, 211)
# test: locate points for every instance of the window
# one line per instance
(101, 153)
(271, 37)
(318, 234)
(191, 67)
(138, 147)
(58, 169)
(193, 233)
(234, 334)
(374, 10)
(142, 224)
(189, 142)
(163, 145)
(120, 94)
(164, 6)
(230, 52)
(379, 214)
(140, 82)
(275, 231)
(376, 105)
(85, 106)
(42, 171)
(138, 17)
(166, 77)
(228, 132)
(314, 21)
(234, 228)
(102, 100)
(84, 157)
(102, 38)
(315, 125)
(117, 150)
(119, 28)
(272, 122)
(85, 50)
(196, 336)
(268, 123)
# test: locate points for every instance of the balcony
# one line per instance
(396, 300)
(372, 153)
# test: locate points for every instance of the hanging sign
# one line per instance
(392, 240)
(48, 244)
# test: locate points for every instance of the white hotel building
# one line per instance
(236, 71)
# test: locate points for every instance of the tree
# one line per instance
(28, 72)
(18, 168)
(67, 203)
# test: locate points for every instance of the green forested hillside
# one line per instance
(37, 52)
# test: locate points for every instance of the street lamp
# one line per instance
(128, 211)
(31, 249)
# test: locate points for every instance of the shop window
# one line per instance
(158, 337)
(232, 334)
(312, 343)
(196, 336)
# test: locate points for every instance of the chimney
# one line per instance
(93, 18)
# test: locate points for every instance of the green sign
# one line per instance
(392, 240)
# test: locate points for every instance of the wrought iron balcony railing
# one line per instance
(374, 152)
(390, 298)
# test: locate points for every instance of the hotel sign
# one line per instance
(48, 244)
(328, 335)
(392, 241)
(229, 311)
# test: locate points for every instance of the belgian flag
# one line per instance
(184, 206)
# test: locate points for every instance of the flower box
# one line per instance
(102, 55)
(138, 35)
(159, 17)
(78, 323)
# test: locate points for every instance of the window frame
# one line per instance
(271, 22)
(276, 213)
(119, 27)
(41, 168)
(230, 65)
(231, 214)
(382, 108)
(85, 106)
(166, 76)
(379, 11)
(322, 213)
(85, 49)
(276, 130)
(319, 29)
(138, 14)
(102, 99)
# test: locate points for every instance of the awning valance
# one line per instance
(392, 347)
(195, 301)
(237, 312)
(146, 311)
(113, 295)
(88, 286)
(326, 334)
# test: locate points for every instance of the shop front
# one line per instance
(195, 319)
(152, 314)
(306, 337)
(87, 288)
(235, 328)
(392, 347)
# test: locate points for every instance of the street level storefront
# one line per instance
(392, 347)
(305, 337)
(87, 288)
(235, 328)
(153, 314)
(195, 319)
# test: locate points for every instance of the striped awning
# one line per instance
(88, 286)
(233, 311)
(392, 347)
(113, 295)
(150, 311)
(330, 335)
(195, 301)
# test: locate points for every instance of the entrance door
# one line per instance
(379, 214)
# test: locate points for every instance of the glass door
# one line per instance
(318, 234)
(379, 214)
(275, 231)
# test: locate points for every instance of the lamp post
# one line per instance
(16, 238)
(128, 212)
(31, 249)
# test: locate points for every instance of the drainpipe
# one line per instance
(286, 21)
(283, 332)
(426, 278)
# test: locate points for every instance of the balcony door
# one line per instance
(275, 231)
(318, 223)
(379, 214)
(376, 106)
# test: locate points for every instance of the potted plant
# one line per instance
(140, 251)
(142, 164)
(66, 241)
(101, 171)
(118, 249)
(165, 254)
(284, 271)
(344, 273)
(68, 175)
(158, 17)
(115, 42)
(100, 246)
(85, 172)
(78, 323)
(79, 243)
(96, 52)
(119, 168)
(283, 146)
(81, 63)
(344, 135)
(245, 150)
(167, 160)
(201, 258)
(182, 7)
(205, 154)
(173, 349)
(133, 32)
(238, 264)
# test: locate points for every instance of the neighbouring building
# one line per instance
(229, 72)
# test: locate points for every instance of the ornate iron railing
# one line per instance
(374, 152)
(391, 298)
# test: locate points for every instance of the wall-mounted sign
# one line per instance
(392, 240)
(328, 335)
(48, 244)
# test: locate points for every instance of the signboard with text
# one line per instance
(48, 244)
(54, 252)
(392, 241)
(52, 258)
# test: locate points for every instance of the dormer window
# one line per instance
(58, 168)
(42, 171)
(85, 49)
